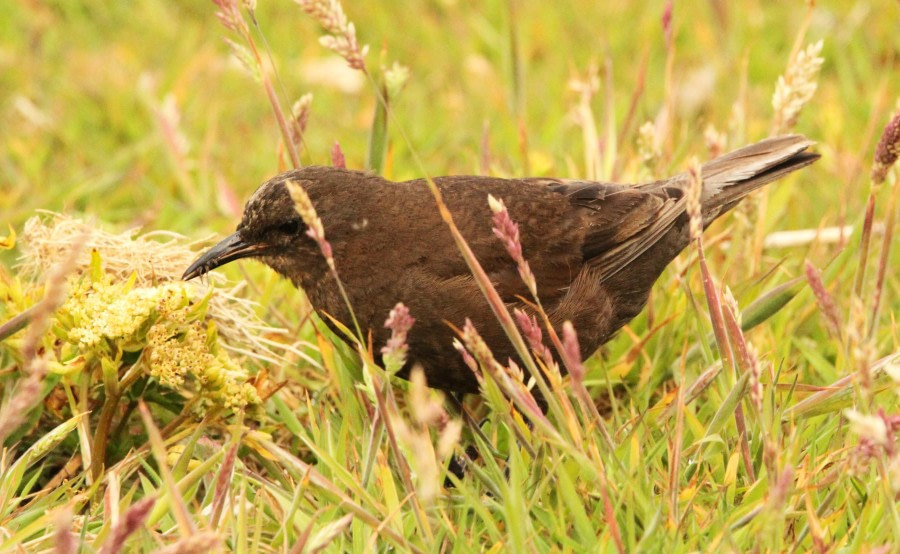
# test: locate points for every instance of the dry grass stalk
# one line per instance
(199, 543)
(821, 235)
(666, 120)
(649, 143)
(133, 520)
(825, 300)
(65, 539)
(230, 16)
(316, 231)
(426, 456)
(583, 116)
(886, 154)
(729, 348)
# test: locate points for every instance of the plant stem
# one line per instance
(17, 323)
(107, 412)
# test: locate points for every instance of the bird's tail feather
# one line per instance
(728, 179)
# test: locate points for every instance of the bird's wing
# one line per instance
(623, 220)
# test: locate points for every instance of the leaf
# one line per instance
(770, 303)
(96, 267)
(12, 477)
(9, 241)
(729, 405)
(328, 533)
(378, 135)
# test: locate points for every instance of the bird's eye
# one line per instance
(291, 227)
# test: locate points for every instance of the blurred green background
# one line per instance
(81, 83)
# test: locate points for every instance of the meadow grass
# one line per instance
(752, 406)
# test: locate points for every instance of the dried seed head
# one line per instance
(395, 78)
(337, 156)
(342, 34)
(476, 345)
(315, 230)
(132, 520)
(667, 22)
(732, 304)
(694, 208)
(716, 141)
(230, 15)
(64, 538)
(300, 117)
(756, 391)
(887, 150)
(782, 486)
(649, 143)
(572, 352)
(824, 298)
(796, 87)
(508, 231)
(532, 331)
(467, 357)
(246, 59)
(867, 426)
(423, 408)
(394, 352)
(449, 438)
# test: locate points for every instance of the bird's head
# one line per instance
(270, 230)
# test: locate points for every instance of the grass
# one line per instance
(137, 115)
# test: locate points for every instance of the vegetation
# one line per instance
(752, 406)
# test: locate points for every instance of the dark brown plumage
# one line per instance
(595, 248)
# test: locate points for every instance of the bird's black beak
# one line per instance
(232, 247)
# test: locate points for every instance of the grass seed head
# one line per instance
(694, 192)
(887, 150)
(229, 15)
(867, 426)
(315, 230)
(300, 117)
(342, 34)
(649, 143)
(532, 332)
(572, 352)
(508, 231)
(716, 141)
(796, 87)
(394, 352)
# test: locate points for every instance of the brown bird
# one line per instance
(595, 248)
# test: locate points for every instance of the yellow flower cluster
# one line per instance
(179, 351)
(103, 311)
(103, 318)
